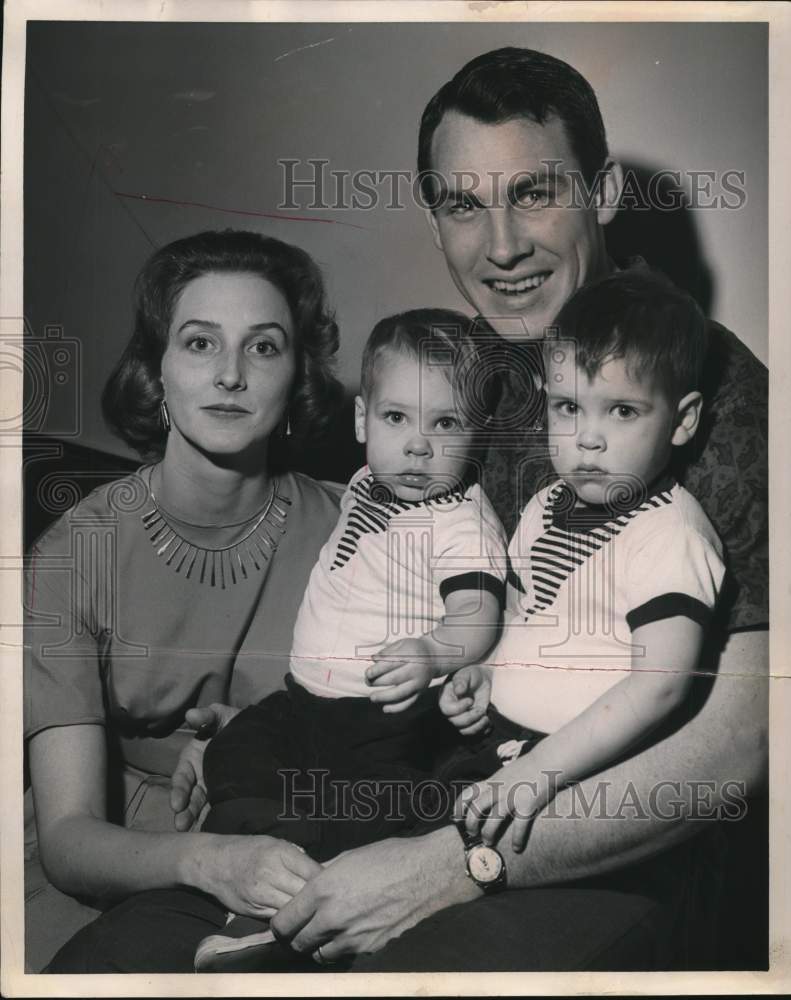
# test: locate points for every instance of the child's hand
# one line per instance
(465, 698)
(408, 667)
(513, 791)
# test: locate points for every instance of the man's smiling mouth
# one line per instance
(518, 287)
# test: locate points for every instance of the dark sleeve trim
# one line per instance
(473, 581)
(669, 606)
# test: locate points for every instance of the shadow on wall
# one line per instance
(667, 237)
(336, 454)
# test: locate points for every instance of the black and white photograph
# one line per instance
(387, 543)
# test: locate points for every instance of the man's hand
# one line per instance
(187, 790)
(407, 666)
(370, 895)
(465, 697)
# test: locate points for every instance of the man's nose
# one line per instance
(508, 241)
(230, 373)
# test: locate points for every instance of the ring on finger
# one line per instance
(322, 959)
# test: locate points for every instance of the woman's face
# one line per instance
(230, 362)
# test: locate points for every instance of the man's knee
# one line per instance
(535, 930)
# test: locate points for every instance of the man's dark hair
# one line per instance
(641, 316)
(131, 398)
(513, 83)
(447, 340)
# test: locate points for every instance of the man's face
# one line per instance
(515, 244)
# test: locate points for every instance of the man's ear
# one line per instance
(432, 224)
(610, 188)
(687, 418)
(359, 419)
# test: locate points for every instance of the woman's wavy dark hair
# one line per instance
(131, 398)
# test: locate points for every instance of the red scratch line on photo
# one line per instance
(236, 211)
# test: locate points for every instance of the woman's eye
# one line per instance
(199, 344)
(264, 348)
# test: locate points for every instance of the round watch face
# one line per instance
(484, 864)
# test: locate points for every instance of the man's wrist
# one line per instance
(447, 862)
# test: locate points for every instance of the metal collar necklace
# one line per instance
(222, 565)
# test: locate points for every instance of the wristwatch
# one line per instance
(485, 865)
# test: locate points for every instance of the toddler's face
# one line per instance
(613, 434)
(413, 430)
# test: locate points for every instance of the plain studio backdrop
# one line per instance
(137, 134)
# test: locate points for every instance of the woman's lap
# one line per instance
(51, 917)
(154, 931)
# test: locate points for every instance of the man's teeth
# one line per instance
(515, 287)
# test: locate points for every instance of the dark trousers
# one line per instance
(333, 774)
(326, 774)
(631, 920)
(644, 918)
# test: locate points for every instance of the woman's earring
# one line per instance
(288, 426)
(164, 416)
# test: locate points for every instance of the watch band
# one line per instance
(468, 839)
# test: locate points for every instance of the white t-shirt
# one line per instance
(383, 576)
(581, 581)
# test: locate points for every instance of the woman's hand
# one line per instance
(187, 790)
(251, 875)
(465, 697)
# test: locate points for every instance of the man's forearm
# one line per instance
(375, 893)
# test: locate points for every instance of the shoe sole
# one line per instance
(219, 953)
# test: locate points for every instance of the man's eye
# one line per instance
(461, 206)
(394, 417)
(531, 198)
(624, 412)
